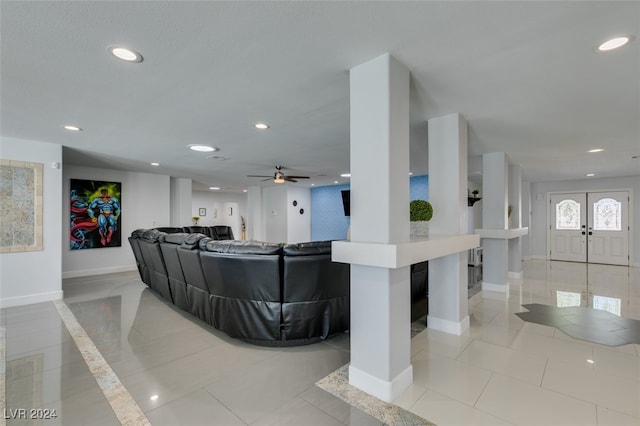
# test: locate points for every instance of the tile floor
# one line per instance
(504, 371)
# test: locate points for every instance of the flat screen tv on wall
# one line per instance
(346, 201)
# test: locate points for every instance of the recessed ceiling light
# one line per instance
(614, 43)
(596, 150)
(214, 188)
(313, 184)
(346, 175)
(261, 126)
(155, 164)
(335, 181)
(203, 148)
(73, 128)
(410, 173)
(590, 174)
(125, 54)
(245, 190)
(154, 397)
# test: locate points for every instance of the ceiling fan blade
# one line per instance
(289, 179)
(299, 177)
(264, 176)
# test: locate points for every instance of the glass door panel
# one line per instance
(568, 227)
(608, 234)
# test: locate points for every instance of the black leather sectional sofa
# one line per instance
(263, 293)
(217, 232)
(266, 294)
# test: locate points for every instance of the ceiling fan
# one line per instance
(279, 177)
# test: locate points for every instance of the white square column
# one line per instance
(495, 173)
(448, 275)
(380, 297)
(180, 213)
(255, 220)
(515, 220)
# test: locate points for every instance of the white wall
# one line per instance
(145, 203)
(34, 277)
(540, 205)
(283, 222)
(218, 205)
(274, 211)
(526, 218)
(298, 225)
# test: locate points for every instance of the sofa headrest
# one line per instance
(243, 247)
(169, 229)
(175, 238)
(202, 242)
(152, 235)
(192, 241)
(137, 233)
(307, 249)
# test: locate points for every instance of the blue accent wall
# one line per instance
(419, 188)
(328, 221)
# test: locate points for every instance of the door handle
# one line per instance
(590, 233)
(583, 233)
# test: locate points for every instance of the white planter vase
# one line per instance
(419, 228)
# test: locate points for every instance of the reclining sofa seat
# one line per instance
(169, 244)
(134, 242)
(152, 254)
(170, 229)
(198, 303)
(221, 232)
(315, 292)
(196, 229)
(244, 282)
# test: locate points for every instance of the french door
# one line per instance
(590, 227)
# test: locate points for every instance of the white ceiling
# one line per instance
(524, 74)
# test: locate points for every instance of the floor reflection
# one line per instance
(615, 289)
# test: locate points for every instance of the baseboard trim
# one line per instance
(98, 271)
(495, 288)
(30, 299)
(447, 326)
(381, 389)
(515, 275)
(538, 258)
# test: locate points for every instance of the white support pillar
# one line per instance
(255, 228)
(448, 275)
(495, 173)
(515, 220)
(181, 195)
(380, 301)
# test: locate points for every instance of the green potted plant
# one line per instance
(195, 219)
(420, 213)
